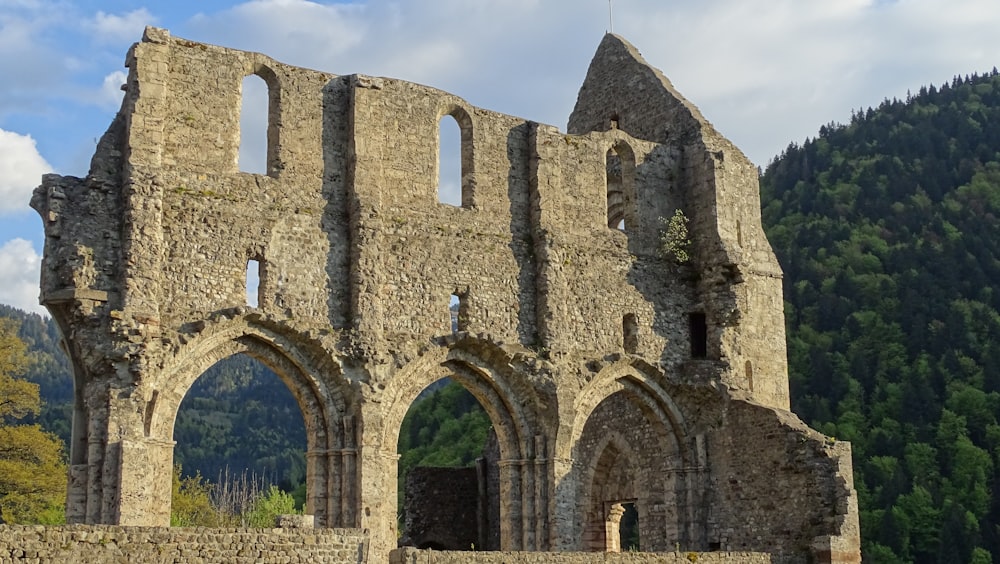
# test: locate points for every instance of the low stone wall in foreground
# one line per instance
(414, 556)
(97, 544)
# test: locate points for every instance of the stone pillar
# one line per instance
(96, 444)
(349, 465)
(317, 488)
(542, 493)
(76, 494)
(334, 480)
(528, 515)
(612, 528)
(144, 472)
(510, 505)
(563, 507)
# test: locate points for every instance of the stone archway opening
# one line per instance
(330, 467)
(447, 470)
(519, 466)
(239, 445)
(627, 459)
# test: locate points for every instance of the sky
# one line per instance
(764, 72)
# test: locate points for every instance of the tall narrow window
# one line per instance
(449, 161)
(630, 333)
(749, 371)
(698, 328)
(254, 118)
(456, 177)
(253, 282)
(620, 165)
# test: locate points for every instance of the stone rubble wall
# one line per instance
(413, 556)
(160, 545)
(442, 508)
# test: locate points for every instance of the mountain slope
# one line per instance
(888, 229)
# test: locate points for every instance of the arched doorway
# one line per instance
(632, 466)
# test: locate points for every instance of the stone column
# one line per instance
(349, 473)
(510, 505)
(542, 493)
(76, 494)
(528, 515)
(144, 482)
(317, 488)
(612, 528)
(563, 507)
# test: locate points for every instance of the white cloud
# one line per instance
(111, 93)
(21, 170)
(293, 31)
(20, 267)
(113, 28)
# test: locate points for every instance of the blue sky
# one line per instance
(764, 72)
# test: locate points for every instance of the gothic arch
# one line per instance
(511, 403)
(610, 476)
(640, 386)
(318, 387)
(642, 382)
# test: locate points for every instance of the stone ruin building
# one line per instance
(615, 372)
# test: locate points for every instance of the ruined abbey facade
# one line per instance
(616, 371)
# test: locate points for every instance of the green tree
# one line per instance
(191, 504)
(32, 470)
(267, 507)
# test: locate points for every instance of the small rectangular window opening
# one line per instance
(630, 333)
(698, 329)
(458, 308)
(453, 306)
(253, 282)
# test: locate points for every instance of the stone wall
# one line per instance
(443, 509)
(413, 556)
(155, 545)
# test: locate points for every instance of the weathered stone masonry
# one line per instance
(611, 372)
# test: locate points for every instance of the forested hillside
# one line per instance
(888, 230)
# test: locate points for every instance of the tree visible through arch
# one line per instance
(441, 448)
(241, 430)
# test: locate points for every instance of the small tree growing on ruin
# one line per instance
(674, 241)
